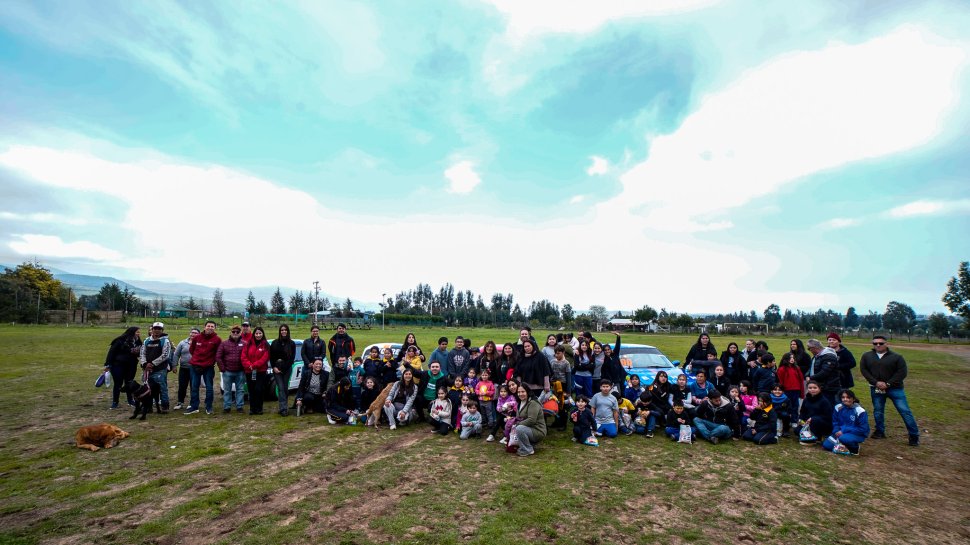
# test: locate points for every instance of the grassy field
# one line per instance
(240, 479)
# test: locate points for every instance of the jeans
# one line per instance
(185, 378)
(229, 379)
(708, 429)
(392, 412)
(898, 397)
(202, 374)
(527, 439)
(760, 437)
(650, 424)
(608, 430)
(794, 399)
(488, 414)
(161, 379)
(282, 384)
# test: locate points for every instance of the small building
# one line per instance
(179, 312)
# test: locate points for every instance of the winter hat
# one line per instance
(834, 335)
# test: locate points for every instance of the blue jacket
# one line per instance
(763, 378)
(698, 391)
(633, 394)
(852, 420)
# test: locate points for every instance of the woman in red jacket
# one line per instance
(792, 382)
(255, 359)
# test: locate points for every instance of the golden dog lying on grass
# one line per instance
(99, 435)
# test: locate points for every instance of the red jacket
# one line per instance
(791, 378)
(203, 350)
(255, 356)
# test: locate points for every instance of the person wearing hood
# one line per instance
(715, 418)
(282, 354)
(122, 361)
(533, 369)
(341, 344)
(153, 357)
(846, 360)
(824, 370)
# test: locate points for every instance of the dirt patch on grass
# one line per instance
(281, 499)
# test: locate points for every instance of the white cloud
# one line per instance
(929, 208)
(45, 217)
(786, 119)
(462, 177)
(576, 199)
(53, 246)
(839, 223)
(598, 167)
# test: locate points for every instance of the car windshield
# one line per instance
(644, 358)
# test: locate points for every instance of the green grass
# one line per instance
(225, 481)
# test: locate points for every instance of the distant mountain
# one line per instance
(83, 284)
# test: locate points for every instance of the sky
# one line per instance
(696, 155)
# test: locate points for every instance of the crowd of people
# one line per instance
(506, 393)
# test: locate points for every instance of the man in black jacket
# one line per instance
(341, 344)
(716, 418)
(885, 371)
(825, 370)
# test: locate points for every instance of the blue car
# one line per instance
(645, 361)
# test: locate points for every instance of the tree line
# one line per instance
(30, 289)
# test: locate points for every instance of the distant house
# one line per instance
(179, 312)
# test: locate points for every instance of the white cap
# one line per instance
(159, 325)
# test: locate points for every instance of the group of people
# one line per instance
(506, 393)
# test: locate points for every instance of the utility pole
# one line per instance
(383, 306)
(316, 299)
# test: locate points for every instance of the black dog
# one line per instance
(142, 394)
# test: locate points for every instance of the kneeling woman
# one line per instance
(762, 423)
(530, 426)
(400, 399)
(850, 425)
(340, 402)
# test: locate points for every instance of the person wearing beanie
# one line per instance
(846, 360)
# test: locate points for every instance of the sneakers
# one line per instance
(649, 435)
(843, 450)
(524, 453)
(714, 440)
(503, 441)
(284, 412)
(914, 440)
(392, 426)
(207, 411)
(190, 410)
(628, 432)
(240, 410)
(178, 407)
(490, 438)
(226, 410)
(332, 421)
(878, 435)
(114, 406)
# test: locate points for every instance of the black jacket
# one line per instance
(733, 371)
(340, 400)
(672, 416)
(697, 352)
(305, 383)
(722, 414)
(312, 350)
(285, 350)
(534, 369)
(846, 365)
(613, 368)
(891, 369)
(818, 408)
(826, 366)
(765, 421)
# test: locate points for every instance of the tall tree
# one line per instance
(567, 313)
(851, 319)
(939, 325)
(250, 302)
(898, 317)
(871, 321)
(191, 304)
(644, 314)
(772, 315)
(261, 307)
(297, 304)
(218, 303)
(598, 314)
(957, 296)
(276, 304)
